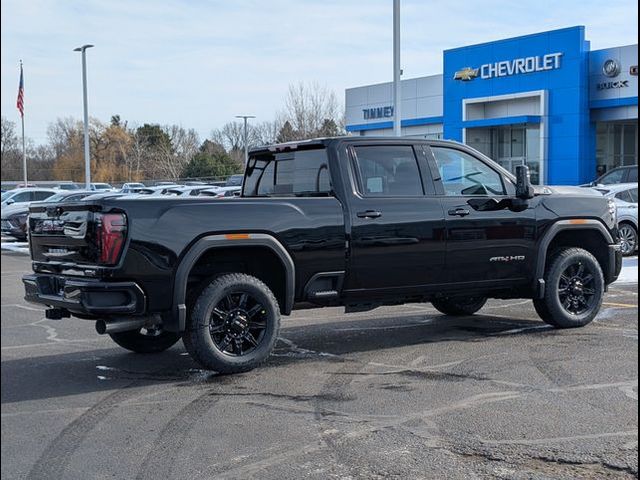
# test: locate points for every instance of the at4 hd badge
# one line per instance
(508, 259)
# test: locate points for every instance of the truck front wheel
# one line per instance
(151, 340)
(574, 289)
(234, 324)
(459, 306)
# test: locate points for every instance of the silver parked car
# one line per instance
(626, 198)
(25, 195)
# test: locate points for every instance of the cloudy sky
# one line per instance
(198, 63)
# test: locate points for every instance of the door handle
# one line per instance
(459, 212)
(369, 214)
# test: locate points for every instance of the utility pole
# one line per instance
(246, 137)
(87, 154)
(397, 96)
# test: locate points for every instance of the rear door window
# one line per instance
(388, 171)
(41, 195)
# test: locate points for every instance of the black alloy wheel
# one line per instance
(576, 289)
(237, 324)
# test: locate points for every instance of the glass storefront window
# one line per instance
(510, 146)
(616, 145)
(517, 142)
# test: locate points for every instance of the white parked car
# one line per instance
(25, 195)
(101, 187)
(221, 192)
(626, 198)
(132, 187)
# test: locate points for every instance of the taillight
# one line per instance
(112, 230)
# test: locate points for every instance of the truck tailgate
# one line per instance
(63, 233)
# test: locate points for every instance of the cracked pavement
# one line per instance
(397, 392)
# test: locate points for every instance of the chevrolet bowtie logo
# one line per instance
(466, 74)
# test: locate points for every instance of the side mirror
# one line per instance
(524, 189)
(11, 201)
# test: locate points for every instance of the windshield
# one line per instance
(301, 173)
(6, 195)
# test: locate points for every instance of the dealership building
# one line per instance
(545, 100)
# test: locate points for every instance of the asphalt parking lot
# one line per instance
(398, 392)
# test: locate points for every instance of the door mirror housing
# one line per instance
(524, 188)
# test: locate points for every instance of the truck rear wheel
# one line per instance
(459, 306)
(151, 340)
(574, 289)
(234, 324)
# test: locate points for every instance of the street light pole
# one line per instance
(246, 137)
(397, 100)
(87, 157)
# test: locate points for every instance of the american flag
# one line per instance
(20, 101)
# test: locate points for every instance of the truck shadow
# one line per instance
(87, 371)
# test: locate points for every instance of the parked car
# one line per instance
(165, 184)
(186, 190)
(235, 180)
(221, 192)
(194, 183)
(217, 183)
(14, 217)
(101, 187)
(25, 195)
(628, 174)
(132, 187)
(626, 198)
(356, 221)
(67, 186)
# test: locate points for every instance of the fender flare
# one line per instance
(209, 242)
(561, 226)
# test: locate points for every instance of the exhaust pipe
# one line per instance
(116, 325)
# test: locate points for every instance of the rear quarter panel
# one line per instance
(162, 230)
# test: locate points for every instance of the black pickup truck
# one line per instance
(358, 222)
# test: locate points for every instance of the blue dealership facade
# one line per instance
(545, 100)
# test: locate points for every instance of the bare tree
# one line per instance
(184, 146)
(62, 133)
(307, 108)
(265, 133)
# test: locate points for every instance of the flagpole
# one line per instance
(24, 148)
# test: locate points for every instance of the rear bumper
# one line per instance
(615, 264)
(84, 296)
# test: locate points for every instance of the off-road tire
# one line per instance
(551, 308)
(199, 340)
